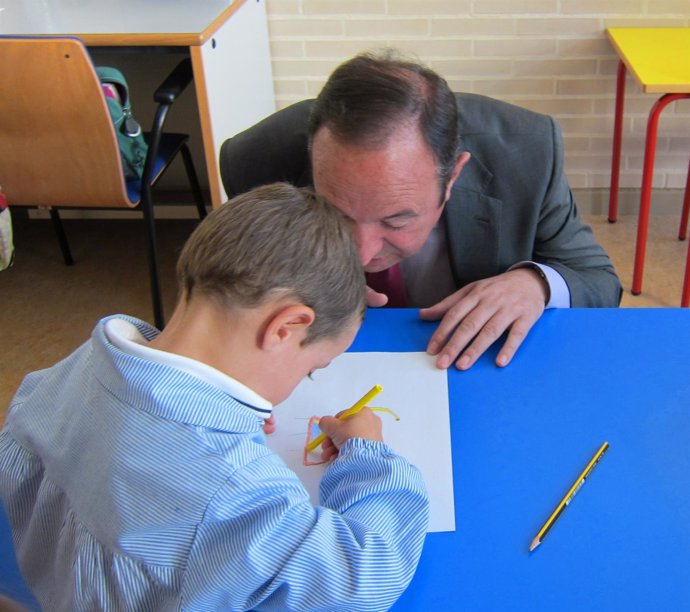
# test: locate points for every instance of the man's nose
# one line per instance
(369, 242)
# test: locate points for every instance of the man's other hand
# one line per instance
(474, 317)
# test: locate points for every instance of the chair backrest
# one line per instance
(57, 141)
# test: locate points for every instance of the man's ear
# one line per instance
(459, 165)
(286, 325)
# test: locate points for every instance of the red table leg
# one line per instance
(646, 190)
(685, 297)
(617, 136)
(683, 230)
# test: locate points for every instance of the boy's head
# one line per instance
(271, 289)
(277, 241)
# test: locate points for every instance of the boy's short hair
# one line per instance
(277, 241)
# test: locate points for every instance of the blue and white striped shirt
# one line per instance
(134, 485)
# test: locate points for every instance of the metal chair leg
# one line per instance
(61, 236)
(156, 298)
(193, 181)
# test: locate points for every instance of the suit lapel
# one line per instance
(473, 222)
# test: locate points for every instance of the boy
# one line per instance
(135, 472)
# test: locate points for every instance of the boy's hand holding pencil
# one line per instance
(358, 421)
(363, 424)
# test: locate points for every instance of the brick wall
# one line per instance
(551, 56)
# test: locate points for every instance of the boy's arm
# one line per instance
(264, 546)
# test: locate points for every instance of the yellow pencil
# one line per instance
(572, 492)
(354, 409)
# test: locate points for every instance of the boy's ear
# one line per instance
(289, 323)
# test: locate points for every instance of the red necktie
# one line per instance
(389, 282)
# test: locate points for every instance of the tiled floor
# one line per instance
(48, 309)
(664, 262)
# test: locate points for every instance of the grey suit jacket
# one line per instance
(510, 203)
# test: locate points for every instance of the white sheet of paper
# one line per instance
(412, 387)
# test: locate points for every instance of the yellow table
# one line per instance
(659, 59)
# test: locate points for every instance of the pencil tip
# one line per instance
(534, 544)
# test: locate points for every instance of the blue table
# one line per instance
(521, 435)
(11, 583)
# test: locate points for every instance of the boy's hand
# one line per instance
(364, 424)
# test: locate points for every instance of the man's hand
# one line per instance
(474, 317)
(375, 299)
(364, 424)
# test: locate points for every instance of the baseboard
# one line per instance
(596, 201)
(589, 202)
(169, 204)
(165, 211)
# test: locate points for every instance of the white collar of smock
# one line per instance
(125, 336)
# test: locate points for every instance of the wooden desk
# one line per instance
(659, 59)
(521, 435)
(227, 41)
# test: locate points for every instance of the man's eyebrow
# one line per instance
(401, 215)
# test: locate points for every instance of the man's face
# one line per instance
(391, 195)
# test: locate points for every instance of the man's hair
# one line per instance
(367, 98)
(272, 242)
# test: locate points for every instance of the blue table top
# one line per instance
(522, 434)
(11, 582)
(520, 437)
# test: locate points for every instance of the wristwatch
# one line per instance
(537, 268)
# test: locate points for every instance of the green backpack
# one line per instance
(130, 138)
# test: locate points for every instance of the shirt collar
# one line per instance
(128, 338)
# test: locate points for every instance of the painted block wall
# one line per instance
(551, 56)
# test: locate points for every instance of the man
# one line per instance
(466, 193)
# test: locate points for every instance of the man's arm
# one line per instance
(478, 314)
